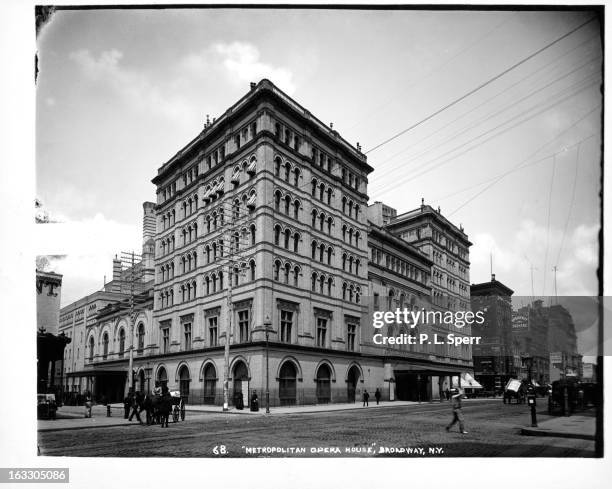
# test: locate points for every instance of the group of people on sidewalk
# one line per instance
(366, 397)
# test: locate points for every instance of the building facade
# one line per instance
(262, 239)
(494, 358)
(50, 342)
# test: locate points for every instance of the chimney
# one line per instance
(492, 277)
(253, 85)
(148, 221)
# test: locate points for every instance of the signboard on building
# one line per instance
(587, 370)
(556, 357)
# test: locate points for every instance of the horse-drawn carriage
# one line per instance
(160, 407)
(515, 389)
(178, 406)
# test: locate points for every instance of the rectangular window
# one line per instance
(376, 301)
(321, 331)
(187, 334)
(351, 331)
(286, 326)
(165, 340)
(213, 331)
(243, 325)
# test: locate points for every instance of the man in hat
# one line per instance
(457, 414)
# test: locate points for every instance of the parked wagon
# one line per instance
(178, 406)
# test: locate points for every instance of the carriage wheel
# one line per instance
(175, 414)
(183, 412)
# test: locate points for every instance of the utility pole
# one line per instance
(233, 256)
(532, 289)
(128, 265)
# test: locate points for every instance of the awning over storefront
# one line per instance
(469, 382)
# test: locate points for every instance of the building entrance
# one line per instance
(351, 383)
(411, 386)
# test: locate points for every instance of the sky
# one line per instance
(516, 163)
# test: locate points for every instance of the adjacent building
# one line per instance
(495, 360)
(50, 342)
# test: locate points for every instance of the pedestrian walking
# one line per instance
(88, 404)
(127, 402)
(377, 396)
(457, 413)
(447, 394)
(366, 396)
(136, 407)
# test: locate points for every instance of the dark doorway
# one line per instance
(351, 383)
(210, 384)
(241, 382)
(287, 384)
(162, 377)
(323, 385)
(411, 387)
(184, 383)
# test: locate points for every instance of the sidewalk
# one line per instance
(576, 426)
(73, 417)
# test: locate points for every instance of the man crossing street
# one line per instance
(457, 413)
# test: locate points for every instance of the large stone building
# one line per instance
(494, 358)
(262, 230)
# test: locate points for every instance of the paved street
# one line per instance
(409, 430)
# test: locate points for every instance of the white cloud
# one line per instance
(239, 62)
(89, 247)
(134, 88)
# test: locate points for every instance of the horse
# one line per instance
(162, 406)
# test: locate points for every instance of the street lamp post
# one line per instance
(267, 325)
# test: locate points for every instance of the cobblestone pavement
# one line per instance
(415, 430)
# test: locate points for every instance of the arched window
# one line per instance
(322, 284)
(357, 236)
(323, 385)
(287, 272)
(313, 284)
(105, 345)
(277, 231)
(350, 269)
(207, 285)
(314, 217)
(329, 196)
(329, 255)
(296, 209)
(287, 171)
(329, 225)
(287, 204)
(214, 248)
(210, 384)
(296, 242)
(313, 192)
(252, 266)
(91, 348)
(121, 341)
(140, 335)
(321, 221)
(296, 275)
(321, 252)
(287, 384)
(329, 286)
(277, 166)
(344, 291)
(220, 280)
(350, 240)
(277, 270)
(343, 261)
(344, 233)
(296, 176)
(252, 234)
(343, 205)
(321, 192)
(277, 199)
(313, 249)
(357, 263)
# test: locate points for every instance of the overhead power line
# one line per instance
(524, 160)
(481, 86)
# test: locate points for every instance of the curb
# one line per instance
(559, 434)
